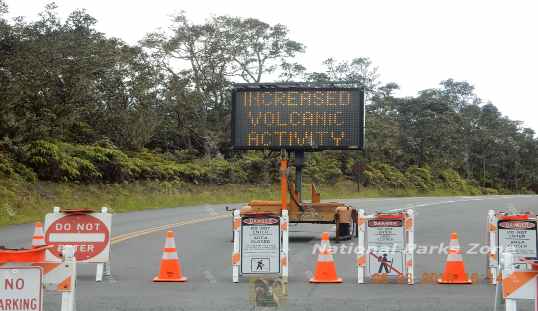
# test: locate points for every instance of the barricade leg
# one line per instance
(68, 298)
(492, 262)
(410, 248)
(510, 305)
(285, 245)
(361, 254)
(508, 268)
(108, 269)
(236, 255)
(99, 272)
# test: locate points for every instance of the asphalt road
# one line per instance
(205, 252)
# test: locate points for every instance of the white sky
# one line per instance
(416, 43)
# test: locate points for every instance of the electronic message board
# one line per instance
(288, 117)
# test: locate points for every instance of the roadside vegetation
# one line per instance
(88, 120)
(144, 181)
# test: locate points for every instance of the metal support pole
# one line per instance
(508, 268)
(99, 271)
(68, 297)
(284, 260)
(410, 247)
(299, 164)
(492, 262)
(361, 253)
(103, 268)
(236, 255)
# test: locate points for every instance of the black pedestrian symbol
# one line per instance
(260, 265)
(385, 264)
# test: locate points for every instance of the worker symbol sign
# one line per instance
(386, 242)
(260, 265)
(88, 233)
(260, 245)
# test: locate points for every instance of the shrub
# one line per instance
(421, 178)
(383, 175)
(489, 191)
(452, 181)
(256, 169)
(322, 169)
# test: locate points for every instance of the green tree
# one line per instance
(257, 48)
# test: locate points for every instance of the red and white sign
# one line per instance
(88, 233)
(20, 289)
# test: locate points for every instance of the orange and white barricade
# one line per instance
(501, 226)
(375, 258)
(518, 284)
(57, 276)
(273, 258)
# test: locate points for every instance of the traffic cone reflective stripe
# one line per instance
(455, 268)
(325, 266)
(170, 266)
(38, 239)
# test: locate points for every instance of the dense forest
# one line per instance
(79, 106)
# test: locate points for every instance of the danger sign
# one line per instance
(260, 245)
(20, 289)
(385, 233)
(518, 236)
(386, 242)
(88, 233)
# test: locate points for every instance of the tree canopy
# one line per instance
(63, 81)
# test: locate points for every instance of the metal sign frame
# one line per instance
(279, 241)
(493, 265)
(300, 87)
(283, 247)
(103, 260)
(408, 224)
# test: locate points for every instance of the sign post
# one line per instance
(88, 232)
(20, 289)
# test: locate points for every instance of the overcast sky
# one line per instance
(416, 43)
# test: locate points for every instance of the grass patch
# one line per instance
(22, 202)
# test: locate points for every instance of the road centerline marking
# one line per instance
(146, 231)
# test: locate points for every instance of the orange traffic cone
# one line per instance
(325, 266)
(38, 239)
(454, 268)
(170, 265)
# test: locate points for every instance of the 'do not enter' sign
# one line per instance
(88, 233)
